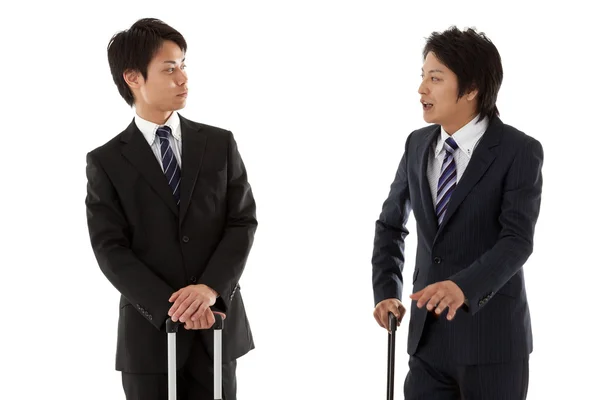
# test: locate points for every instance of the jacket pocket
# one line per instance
(510, 289)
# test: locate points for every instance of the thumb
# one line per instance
(221, 314)
(417, 294)
(396, 314)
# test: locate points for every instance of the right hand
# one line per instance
(386, 306)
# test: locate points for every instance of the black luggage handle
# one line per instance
(172, 326)
(392, 324)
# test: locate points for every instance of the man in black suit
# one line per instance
(171, 219)
(474, 184)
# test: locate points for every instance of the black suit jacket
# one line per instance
(484, 240)
(148, 248)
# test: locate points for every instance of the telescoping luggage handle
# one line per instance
(392, 323)
(172, 328)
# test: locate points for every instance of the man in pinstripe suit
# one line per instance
(474, 185)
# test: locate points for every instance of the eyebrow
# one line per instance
(434, 70)
(172, 62)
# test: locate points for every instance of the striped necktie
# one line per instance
(169, 162)
(447, 181)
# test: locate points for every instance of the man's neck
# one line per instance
(156, 116)
(452, 127)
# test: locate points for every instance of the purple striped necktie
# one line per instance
(447, 181)
(169, 162)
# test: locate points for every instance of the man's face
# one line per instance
(165, 88)
(439, 92)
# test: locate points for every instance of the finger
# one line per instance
(174, 296)
(203, 321)
(197, 315)
(203, 307)
(180, 298)
(396, 311)
(442, 305)
(210, 318)
(452, 310)
(221, 314)
(190, 310)
(402, 312)
(182, 307)
(434, 301)
(418, 294)
(376, 316)
(382, 317)
(426, 296)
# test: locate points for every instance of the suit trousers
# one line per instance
(195, 380)
(433, 376)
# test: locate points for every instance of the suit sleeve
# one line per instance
(519, 213)
(228, 261)
(390, 232)
(110, 239)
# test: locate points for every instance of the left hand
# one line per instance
(206, 321)
(191, 302)
(440, 295)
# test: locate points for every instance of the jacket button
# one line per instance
(185, 239)
(437, 260)
(193, 279)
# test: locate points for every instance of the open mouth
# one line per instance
(426, 106)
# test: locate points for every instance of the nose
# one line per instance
(422, 88)
(181, 77)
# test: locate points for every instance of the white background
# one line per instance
(320, 97)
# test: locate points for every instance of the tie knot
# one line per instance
(163, 132)
(450, 145)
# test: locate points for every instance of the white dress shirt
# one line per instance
(148, 129)
(467, 139)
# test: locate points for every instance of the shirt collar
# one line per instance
(466, 137)
(148, 128)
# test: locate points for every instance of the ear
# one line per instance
(472, 94)
(133, 78)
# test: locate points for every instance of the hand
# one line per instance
(384, 307)
(205, 321)
(191, 302)
(440, 295)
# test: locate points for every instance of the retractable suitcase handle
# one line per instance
(172, 328)
(392, 324)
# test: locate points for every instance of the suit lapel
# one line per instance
(481, 160)
(193, 144)
(140, 155)
(423, 158)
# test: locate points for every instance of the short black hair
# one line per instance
(476, 62)
(135, 47)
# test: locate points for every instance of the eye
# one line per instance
(170, 69)
(433, 78)
(184, 66)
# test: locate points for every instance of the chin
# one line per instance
(430, 119)
(179, 106)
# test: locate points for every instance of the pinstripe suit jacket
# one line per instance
(482, 244)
